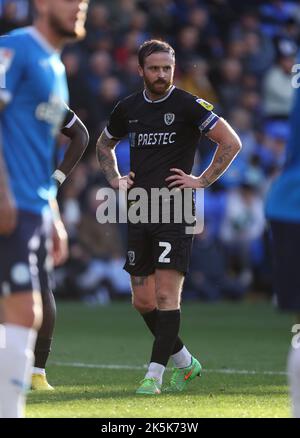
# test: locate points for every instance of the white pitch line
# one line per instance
(139, 368)
(99, 366)
(249, 372)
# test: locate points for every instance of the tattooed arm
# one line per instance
(108, 162)
(107, 158)
(229, 146)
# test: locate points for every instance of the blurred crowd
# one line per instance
(236, 55)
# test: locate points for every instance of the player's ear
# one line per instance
(141, 71)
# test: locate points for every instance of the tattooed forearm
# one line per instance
(222, 159)
(204, 182)
(107, 157)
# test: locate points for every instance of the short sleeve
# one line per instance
(201, 114)
(117, 125)
(12, 66)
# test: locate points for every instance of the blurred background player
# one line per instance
(33, 111)
(164, 124)
(77, 132)
(283, 211)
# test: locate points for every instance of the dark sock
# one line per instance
(150, 319)
(45, 333)
(42, 351)
(167, 328)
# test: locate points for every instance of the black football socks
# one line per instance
(150, 319)
(167, 328)
(45, 333)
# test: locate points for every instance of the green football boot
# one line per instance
(182, 376)
(149, 386)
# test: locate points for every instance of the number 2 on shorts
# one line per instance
(162, 257)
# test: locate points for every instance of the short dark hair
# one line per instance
(153, 46)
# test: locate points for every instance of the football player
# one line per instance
(33, 110)
(283, 212)
(164, 124)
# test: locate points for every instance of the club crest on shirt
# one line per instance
(131, 257)
(169, 118)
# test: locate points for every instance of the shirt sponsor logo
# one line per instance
(169, 118)
(51, 112)
(156, 138)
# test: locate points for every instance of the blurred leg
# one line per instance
(45, 334)
(22, 315)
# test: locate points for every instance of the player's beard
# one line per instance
(152, 86)
(58, 27)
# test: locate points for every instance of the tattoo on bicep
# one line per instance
(105, 142)
(225, 154)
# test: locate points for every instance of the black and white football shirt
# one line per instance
(163, 133)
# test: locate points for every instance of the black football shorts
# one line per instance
(25, 256)
(157, 246)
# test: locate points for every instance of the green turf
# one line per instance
(245, 336)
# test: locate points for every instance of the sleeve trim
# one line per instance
(108, 134)
(213, 125)
(208, 123)
(71, 123)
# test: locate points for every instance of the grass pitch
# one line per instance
(99, 355)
